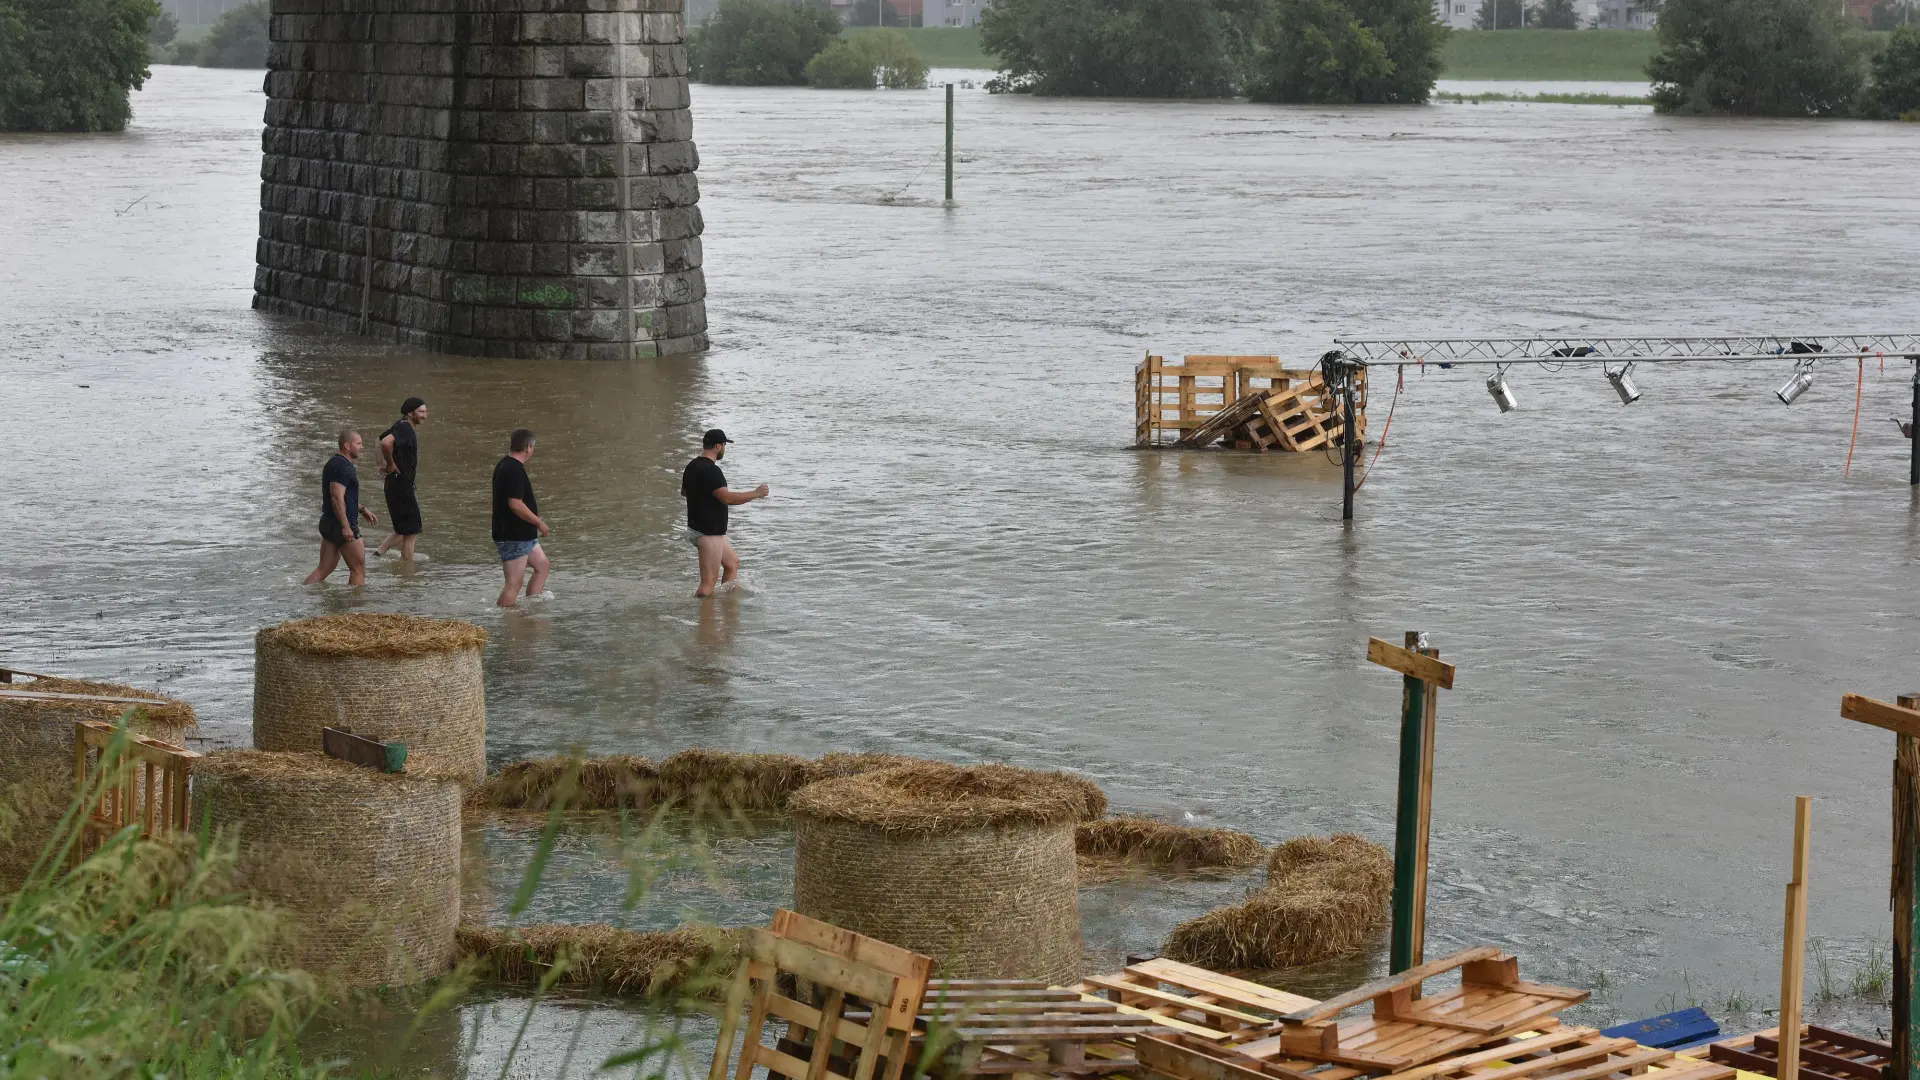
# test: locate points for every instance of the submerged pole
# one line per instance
(1351, 452)
(1414, 816)
(1913, 459)
(950, 155)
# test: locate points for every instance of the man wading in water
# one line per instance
(517, 527)
(708, 497)
(399, 462)
(339, 506)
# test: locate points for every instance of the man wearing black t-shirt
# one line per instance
(517, 527)
(339, 509)
(399, 462)
(708, 497)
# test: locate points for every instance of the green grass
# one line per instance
(945, 46)
(1551, 99)
(1556, 55)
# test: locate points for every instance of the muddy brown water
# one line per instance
(1654, 609)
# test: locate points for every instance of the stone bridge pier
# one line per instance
(488, 177)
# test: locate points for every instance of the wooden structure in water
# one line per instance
(1239, 402)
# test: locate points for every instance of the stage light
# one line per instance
(1502, 393)
(1802, 379)
(1622, 381)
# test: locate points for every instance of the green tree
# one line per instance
(165, 27)
(1119, 48)
(859, 61)
(1554, 15)
(1384, 52)
(237, 40)
(759, 42)
(1755, 58)
(1896, 76)
(68, 65)
(1499, 15)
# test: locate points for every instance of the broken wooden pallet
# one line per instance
(1569, 1054)
(981, 1027)
(1825, 1054)
(1405, 1031)
(1194, 1000)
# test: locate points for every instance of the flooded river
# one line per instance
(1654, 609)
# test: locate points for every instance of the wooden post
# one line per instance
(1793, 948)
(1904, 721)
(1906, 914)
(1423, 677)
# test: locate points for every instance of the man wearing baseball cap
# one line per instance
(708, 497)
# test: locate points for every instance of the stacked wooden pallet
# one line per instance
(1825, 1054)
(1244, 402)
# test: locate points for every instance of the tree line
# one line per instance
(1323, 51)
(778, 43)
(1780, 58)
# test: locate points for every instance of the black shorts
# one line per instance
(403, 509)
(330, 531)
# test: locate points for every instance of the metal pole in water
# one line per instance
(950, 149)
(1913, 460)
(1351, 453)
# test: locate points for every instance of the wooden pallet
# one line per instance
(1406, 1030)
(1174, 402)
(151, 790)
(833, 971)
(1825, 1054)
(988, 1027)
(1195, 1001)
(1569, 1054)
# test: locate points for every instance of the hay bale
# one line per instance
(720, 781)
(396, 678)
(624, 781)
(604, 958)
(36, 757)
(972, 866)
(367, 862)
(1174, 847)
(1324, 897)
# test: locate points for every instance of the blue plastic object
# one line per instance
(1673, 1030)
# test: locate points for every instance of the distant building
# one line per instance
(1620, 14)
(952, 12)
(1623, 15)
(1457, 14)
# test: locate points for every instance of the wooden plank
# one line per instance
(360, 750)
(1167, 998)
(1228, 988)
(1793, 942)
(1413, 976)
(50, 695)
(1029, 1036)
(1424, 668)
(816, 966)
(1558, 993)
(1866, 710)
(1176, 1023)
(1538, 1044)
(1166, 1058)
(1849, 1041)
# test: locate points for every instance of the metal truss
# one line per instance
(1640, 350)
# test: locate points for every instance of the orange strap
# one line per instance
(1398, 385)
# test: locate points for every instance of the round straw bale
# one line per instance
(36, 756)
(1324, 896)
(972, 866)
(369, 862)
(396, 678)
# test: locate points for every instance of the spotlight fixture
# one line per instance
(1802, 379)
(1502, 393)
(1622, 381)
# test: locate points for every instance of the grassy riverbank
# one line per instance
(1556, 55)
(1545, 55)
(1550, 99)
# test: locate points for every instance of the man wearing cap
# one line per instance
(708, 497)
(399, 462)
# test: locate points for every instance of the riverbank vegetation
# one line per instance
(1547, 98)
(1791, 58)
(238, 39)
(68, 65)
(775, 43)
(1334, 51)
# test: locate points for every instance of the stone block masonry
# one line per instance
(488, 177)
